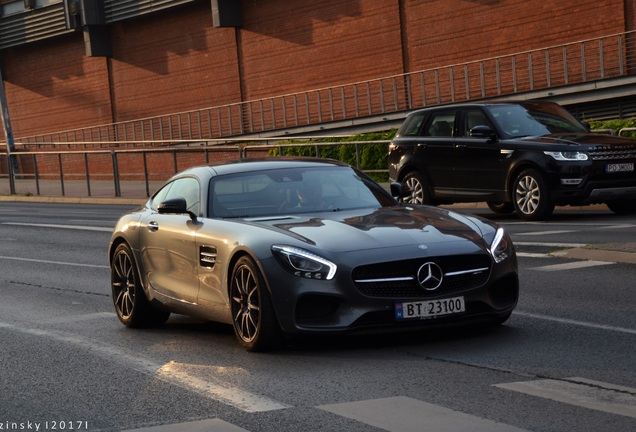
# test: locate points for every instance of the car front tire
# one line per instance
(132, 307)
(253, 317)
(530, 196)
(419, 189)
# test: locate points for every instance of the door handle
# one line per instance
(152, 226)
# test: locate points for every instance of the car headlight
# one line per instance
(501, 247)
(303, 263)
(568, 156)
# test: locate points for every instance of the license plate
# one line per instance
(622, 167)
(429, 308)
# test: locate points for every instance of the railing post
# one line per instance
(88, 175)
(59, 164)
(116, 174)
(143, 153)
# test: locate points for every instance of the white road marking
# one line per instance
(169, 373)
(540, 233)
(553, 245)
(216, 425)
(533, 255)
(52, 262)
(73, 227)
(575, 322)
(581, 392)
(573, 265)
(404, 414)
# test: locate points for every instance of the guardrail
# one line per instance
(137, 172)
(573, 63)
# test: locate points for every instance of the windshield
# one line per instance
(515, 121)
(294, 190)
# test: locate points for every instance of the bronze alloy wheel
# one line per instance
(253, 317)
(129, 299)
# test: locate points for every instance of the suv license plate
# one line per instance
(623, 167)
(429, 308)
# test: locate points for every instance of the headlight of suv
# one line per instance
(501, 247)
(568, 156)
(303, 263)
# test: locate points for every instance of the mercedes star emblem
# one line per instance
(430, 276)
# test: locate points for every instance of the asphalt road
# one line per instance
(563, 362)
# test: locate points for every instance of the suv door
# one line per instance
(480, 164)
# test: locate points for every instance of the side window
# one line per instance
(187, 188)
(412, 126)
(160, 196)
(441, 124)
(474, 117)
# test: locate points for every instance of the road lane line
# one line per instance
(73, 227)
(218, 391)
(553, 245)
(575, 322)
(572, 265)
(540, 233)
(404, 414)
(580, 392)
(53, 262)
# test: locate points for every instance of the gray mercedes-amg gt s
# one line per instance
(292, 246)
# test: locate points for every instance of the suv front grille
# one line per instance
(398, 279)
(613, 154)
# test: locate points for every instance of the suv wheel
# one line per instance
(419, 190)
(622, 207)
(530, 196)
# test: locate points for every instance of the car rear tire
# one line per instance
(253, 317)
(622, 207)
(419, 189)
(131, 304)
(530, 196)
(501, 207)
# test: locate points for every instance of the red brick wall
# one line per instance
(294, 46)
(443, 32)
(53, 86)
(172, 62)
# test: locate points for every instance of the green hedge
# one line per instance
(616, 125)
(372, 156)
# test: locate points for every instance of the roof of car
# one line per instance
(525, 103)
(247, 165)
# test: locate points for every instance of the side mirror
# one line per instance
(482, 131)
(399, 190)
(175, 206)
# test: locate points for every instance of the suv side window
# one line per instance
(474, 117)
(441, 124)
(413, 125)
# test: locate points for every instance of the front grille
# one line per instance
(627, 152)
(398, 279)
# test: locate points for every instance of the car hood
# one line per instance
(380, 228)
(601, 140)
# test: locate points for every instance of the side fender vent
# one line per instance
(207, 256)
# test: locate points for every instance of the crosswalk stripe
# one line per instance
(581, 392)
(404, 414)
(216, 425)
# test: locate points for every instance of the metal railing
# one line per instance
(567, 64)
(136, 173)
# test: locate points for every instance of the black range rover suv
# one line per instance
(521, 156)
